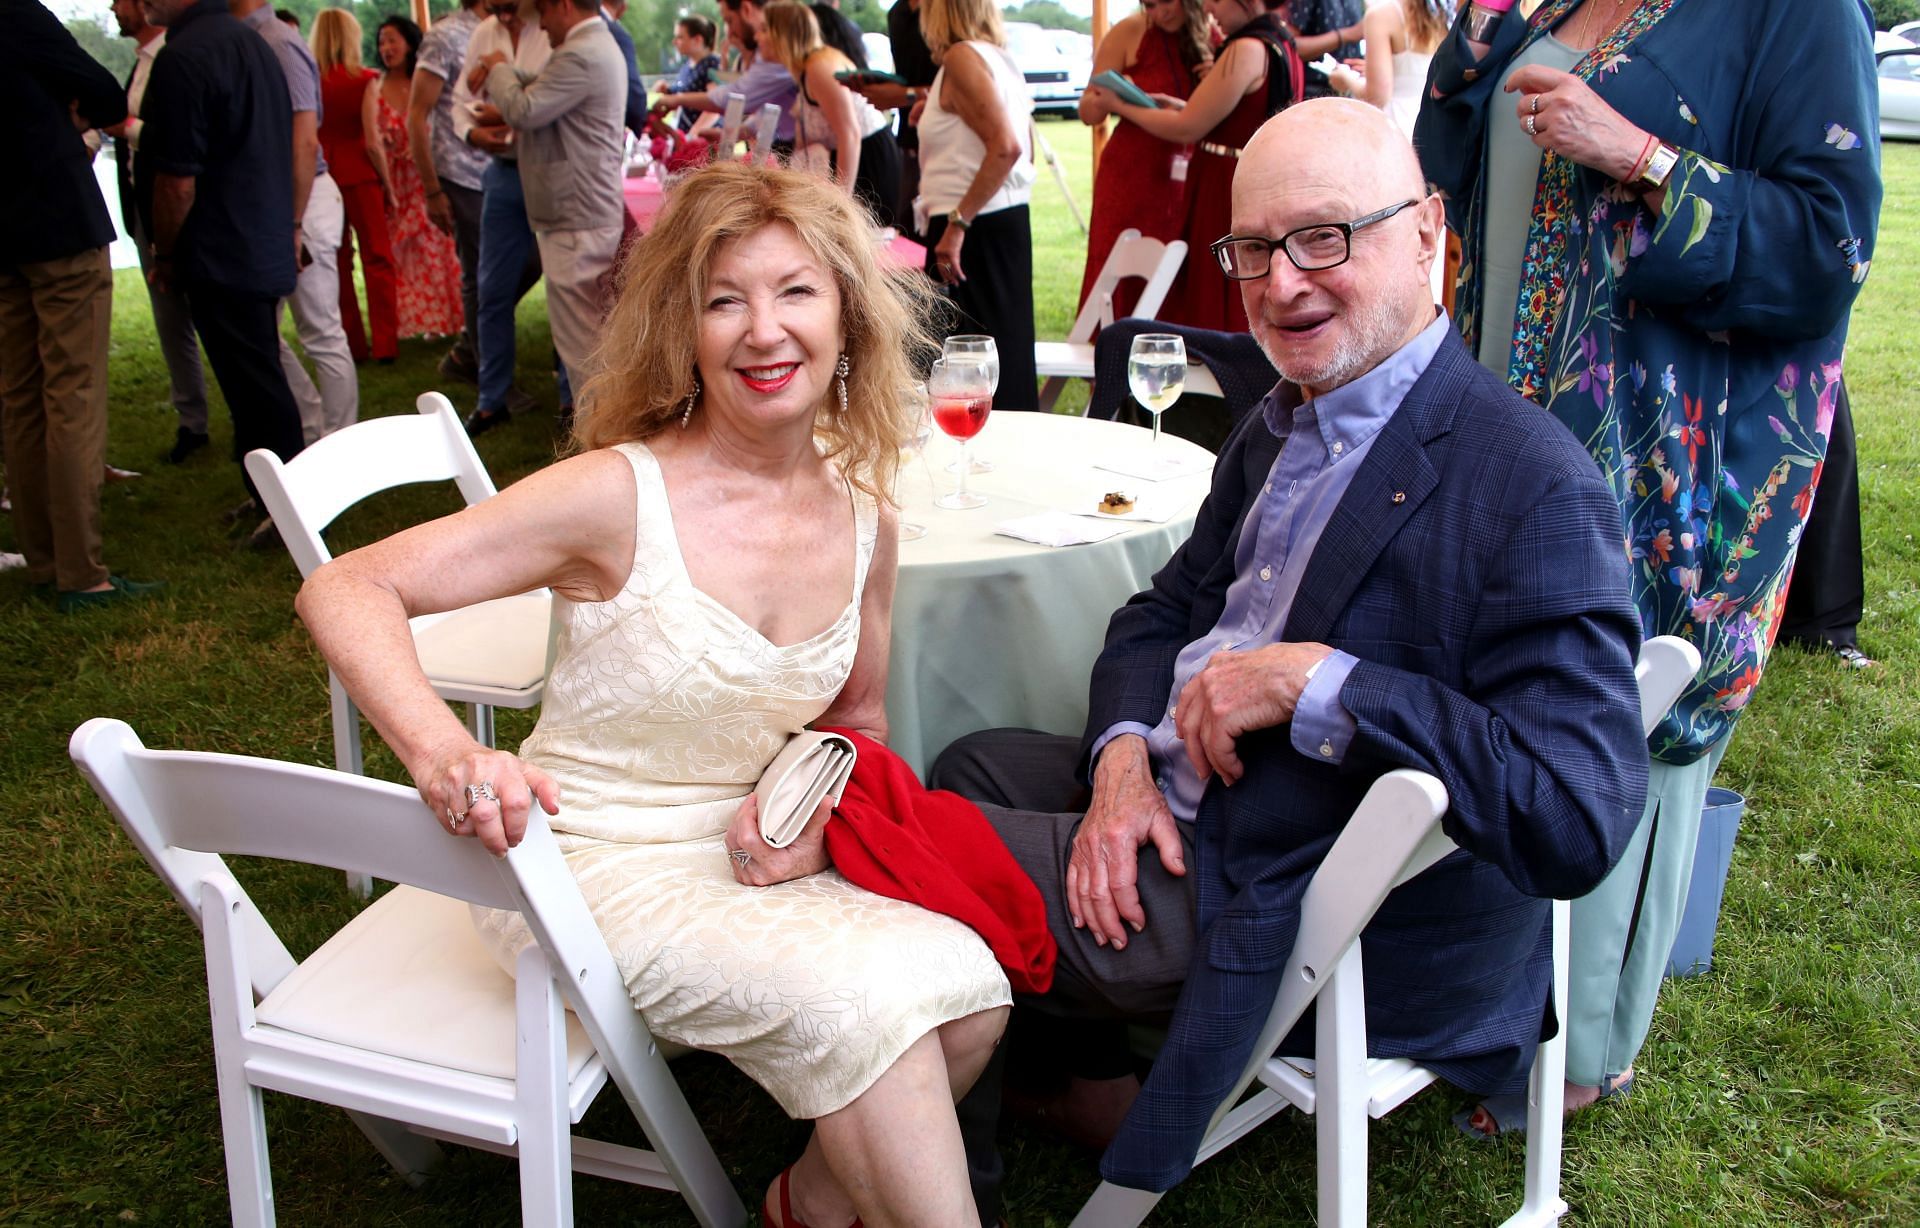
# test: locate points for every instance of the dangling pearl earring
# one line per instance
(842, 371)
(686, 414)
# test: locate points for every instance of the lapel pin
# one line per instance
(1399, 496)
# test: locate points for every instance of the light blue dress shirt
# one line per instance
(1324, 441)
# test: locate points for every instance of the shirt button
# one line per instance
(1173, 712)
(1266, 573)
(1338, 447)
(1326, 750)
(1267, 489)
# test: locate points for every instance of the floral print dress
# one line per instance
(1697, 351)
(426, 264)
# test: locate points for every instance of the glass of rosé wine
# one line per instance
(961, 390)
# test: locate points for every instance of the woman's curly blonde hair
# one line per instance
(645, 360)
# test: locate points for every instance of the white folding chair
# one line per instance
(763, 129)
(401, 1017)
(730, 121)
(1393, 836)
(491, 655)
(1155, 262)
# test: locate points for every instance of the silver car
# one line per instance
(1897, 65)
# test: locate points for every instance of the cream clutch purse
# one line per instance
(812, 766)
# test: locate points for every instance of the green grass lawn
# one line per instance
(1781, 1088)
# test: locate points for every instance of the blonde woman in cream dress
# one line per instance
(723, 564)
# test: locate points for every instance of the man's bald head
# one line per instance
(1329, 162)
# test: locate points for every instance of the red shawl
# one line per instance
(897, 838)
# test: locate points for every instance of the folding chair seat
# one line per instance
(402, 1017)
(1393, 836)
(491, 655)
(1154, 262)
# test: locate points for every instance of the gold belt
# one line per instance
(1219, 151)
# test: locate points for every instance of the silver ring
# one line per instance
(482, 792)
(1536, 104)
(740, 856)
(456, 819)
(1531, 130)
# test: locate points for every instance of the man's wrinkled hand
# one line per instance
(1236, 692)
(1103, 868)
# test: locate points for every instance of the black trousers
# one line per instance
(1828, 591)
(997, 296)
(465, 203)
(238, 329)
(1024, 783)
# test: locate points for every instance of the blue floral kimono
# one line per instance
(1696, 352)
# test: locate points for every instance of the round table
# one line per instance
(992, 631)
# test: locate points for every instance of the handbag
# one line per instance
(811, 766)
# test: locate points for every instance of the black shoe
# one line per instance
(185, 444)
(264, 536)
(521, 402)
(120, 589)
(483, 420)
(242, 511)
(460, 364)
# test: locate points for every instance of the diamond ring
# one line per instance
(482, 792)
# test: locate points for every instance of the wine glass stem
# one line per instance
(1156, 427)
(966, 467)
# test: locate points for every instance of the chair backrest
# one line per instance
(730, 125)
(763, 130)
(1667, 664)
(1132, 256)
(306, 494)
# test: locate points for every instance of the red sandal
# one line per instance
(786, 1219)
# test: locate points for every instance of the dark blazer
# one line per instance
(1475, 567)
(52, 207)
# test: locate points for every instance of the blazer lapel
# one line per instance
(1394, 479)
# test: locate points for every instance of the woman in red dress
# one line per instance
(1256, 74)
(426, 264)
(1141, 184)
(358, 163)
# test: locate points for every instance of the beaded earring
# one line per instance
(686, 414)
(842, 371)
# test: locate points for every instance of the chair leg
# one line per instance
(480, 723)
(1340, 1095)
(1546, 1098)
(546, 1141)
(411, 1155)
(1115, 1206)
(348, 757)
(1050, 392)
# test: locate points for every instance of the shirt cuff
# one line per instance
(1113, 731)
(1322, 727)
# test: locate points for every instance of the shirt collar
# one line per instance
(1354, 412)
(150, 48)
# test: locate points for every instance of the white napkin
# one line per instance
(1326, 63)
(1058, 529)
(1156, 468)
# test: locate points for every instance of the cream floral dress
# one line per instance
(661, 711)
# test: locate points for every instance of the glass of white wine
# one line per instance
(915, 447)
(1157, 374)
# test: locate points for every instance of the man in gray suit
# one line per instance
(568, 122)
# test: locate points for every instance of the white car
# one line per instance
(1055, 79)
(1897, 66)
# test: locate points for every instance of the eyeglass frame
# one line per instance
(1346, 229)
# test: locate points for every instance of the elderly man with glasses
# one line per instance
(1401, 564)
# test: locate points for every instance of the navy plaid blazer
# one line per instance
(1476, 568)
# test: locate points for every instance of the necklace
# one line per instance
(1592, 29)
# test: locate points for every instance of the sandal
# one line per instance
(1498, 1115)
(786, 1219)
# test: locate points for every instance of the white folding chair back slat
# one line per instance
(367, 1021)
(491, 655)
(1393, 835)
(1155, 262)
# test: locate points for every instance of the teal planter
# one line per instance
(1719, 824)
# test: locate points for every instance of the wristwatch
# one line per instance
(1660, 163)
(957, 222)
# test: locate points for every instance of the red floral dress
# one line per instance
(425, 261)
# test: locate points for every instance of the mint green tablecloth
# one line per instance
(991, 631)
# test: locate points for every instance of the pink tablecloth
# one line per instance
(644, 202)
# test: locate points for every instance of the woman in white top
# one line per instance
(976, 172)
(1401, 36)
(721, 549)
(836, 131)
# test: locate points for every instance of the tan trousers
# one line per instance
(54, 319)
(578, 265)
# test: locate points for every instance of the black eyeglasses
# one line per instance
(1311, 248)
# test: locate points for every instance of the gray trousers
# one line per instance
(179, 344)
(1023, 781)
(466, 243)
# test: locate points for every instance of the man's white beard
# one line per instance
(1370, 335)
